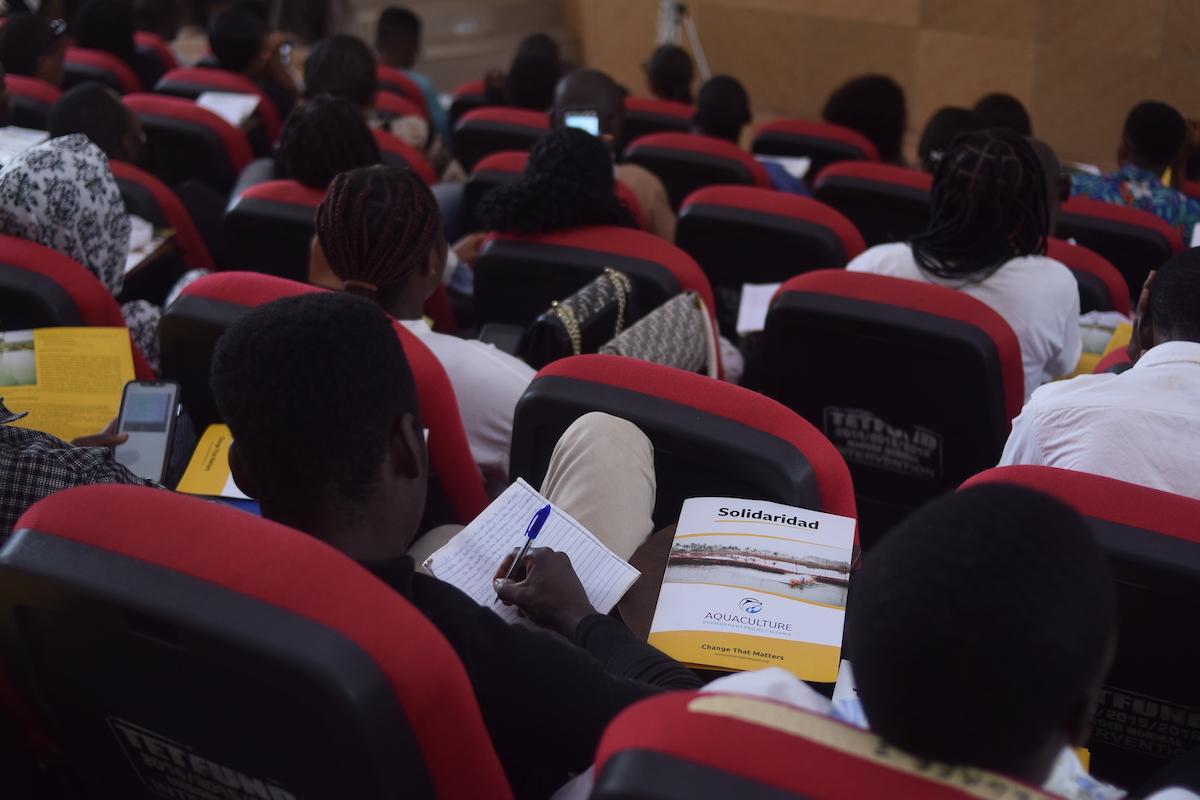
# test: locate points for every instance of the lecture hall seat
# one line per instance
(152, 200)
(685, 162)
(393, 81)
(1101, 286)
(191, 82)
(269, 228)
(32, 100)
(823, 142)
(156, 47)
(467, 97)
(82, 64)
(490, 129)
(885, 202)
(646, 115)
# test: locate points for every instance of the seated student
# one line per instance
(240, 44)
(323, 138)
(987, 238)
(722, 110)
(108, 25)
(530, 82)
(160, 17)
(1058, 185)
(942, 129)
(874, 106)
(379, 231)
(398, 43)
(589, 88)
(32, 47)
(535, 53)
(545, 701)
(1152, 141)
(669, 73)
(1143, 425)
(1004, 111)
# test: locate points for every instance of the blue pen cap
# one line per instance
(539, 519)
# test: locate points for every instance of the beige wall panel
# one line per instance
(1181, 31)
(1179, 85)
(1008, 19)
(1133, 27)
(885, 12)
(955, 69)
(839, 50)
(618, 37)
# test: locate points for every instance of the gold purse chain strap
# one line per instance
(621, 286)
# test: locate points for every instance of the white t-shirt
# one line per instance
(1141, 426)
(487, 384)
(1037, 296)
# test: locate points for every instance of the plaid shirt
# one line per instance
(34, 465)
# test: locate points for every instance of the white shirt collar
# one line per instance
(1169, 353)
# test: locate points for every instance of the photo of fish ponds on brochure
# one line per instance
(804, 571)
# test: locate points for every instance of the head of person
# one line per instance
(989, 205)
(325, 355)
(530, 82)
(160, 17)
(1004, 111)
(981, 628)
(591, 89)
(1058, 185)
(106, 25)
(379, 230)
(236, 38)
(942, 129)
(874, 106)
(568, 182)
(1173, 311)
(33, 47)
(322, 138)
(722, 108)
(97, 112)
(1154, 134)
(539, 44)
(398, 37)
(669, 73)
(343, 67)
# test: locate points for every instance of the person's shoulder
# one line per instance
(1080, 391)
(635, 176)
(883, 258)
(1046, 270)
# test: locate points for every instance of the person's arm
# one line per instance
(1022, 446)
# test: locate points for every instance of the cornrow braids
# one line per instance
(322, 138)
(568, 182)
(989, 206)
(377, 227)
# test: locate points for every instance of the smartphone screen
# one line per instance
(586, 120)
(148, 411)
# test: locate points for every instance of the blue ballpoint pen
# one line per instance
(531, 533)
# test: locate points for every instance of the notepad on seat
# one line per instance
(233, 107)
(469, 561)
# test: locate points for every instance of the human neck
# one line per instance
(362, 533)
(407, 304)
(1140, 162)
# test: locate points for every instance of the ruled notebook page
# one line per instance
(469, 561)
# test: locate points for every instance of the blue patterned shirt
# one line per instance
(1140, 188)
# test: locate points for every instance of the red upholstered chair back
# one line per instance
(686, 162)
(82, 64)
(491, 171)
(190, 142)
(1116, 361)
(398, 153)
(168, 641)
(157, 47)
(269, 228)
(886, 203)
(151, 199)
(1192, 189)
(1152, 540)
(710, 746)
(192, 324)
(711, 438)
(42, 288)
(644, 115)
(393, 81)
(397, 105)
(743, 234)
(467, 97)
(191, 82)
(916, 384)
(32, 100)
(1132, 240)
(823, 142)
(1101, 286)
(483, 131)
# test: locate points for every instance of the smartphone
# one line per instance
(586, 119)
(148, 413)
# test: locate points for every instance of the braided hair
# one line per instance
(377, 227)
(989, 206)
(568, 182)
(323, 137)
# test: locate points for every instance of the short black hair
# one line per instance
(942, 129)
(294, 364)
(538, 44)
(236, 37)
(1175, 296)
(24, 38)
(323, 138)
(722, 108)
(977, 623)
(530, 82)
(397, 27)
(157, 16)
(94, 110)
(874, 106)
(106, 25)
(669, 72)
(1157, 131)
(1004, 111)
(342, 66)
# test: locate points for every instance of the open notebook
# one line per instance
(469, 561)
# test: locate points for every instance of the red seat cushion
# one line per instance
(667, 108)
(520, 117)
(704, 145)
(399, 105)
(205, 79)
(237, 148)
(396, 82)
(1118, 356)
(411, 156)
(145, 40)
(1113, 212)
(98, 59)
(1192, 189)
(32, 88)
(195, 252)
(823, 130)
(470, 87)
(870, 171)
(503, 161)
(285, 191)
(1081, 258)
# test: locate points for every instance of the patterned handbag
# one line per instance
(679, 333)
(582, 322)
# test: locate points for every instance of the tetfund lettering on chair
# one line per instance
(173, 770)
(864, 438)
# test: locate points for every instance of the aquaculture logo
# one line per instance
(751, 605)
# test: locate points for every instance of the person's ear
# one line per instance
(1123, 151)
(407, 445)
(241, 476)
(1064, 188)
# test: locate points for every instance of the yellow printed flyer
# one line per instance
(69, 379)
(752, 584)
(208, 472)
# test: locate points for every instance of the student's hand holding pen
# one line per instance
(545, 589)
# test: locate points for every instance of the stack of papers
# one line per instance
(756, 301)
(233, 107)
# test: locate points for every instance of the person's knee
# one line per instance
(601, 427)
